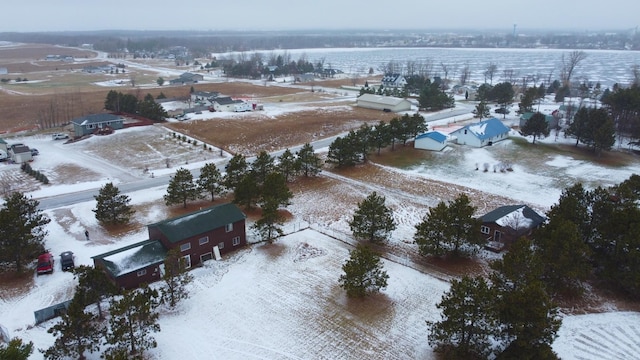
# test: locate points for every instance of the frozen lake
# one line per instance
(605, 66)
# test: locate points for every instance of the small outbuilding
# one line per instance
(432, 140)
(380, 102)
(484, 133)
(21, 154)
(132, 265)
(504, 225)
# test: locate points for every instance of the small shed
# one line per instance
(380, 102)
(21, 154)
(482, 134)
(89, 124)
(432, 140)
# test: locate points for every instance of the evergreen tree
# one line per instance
(133, 320)
(176, 278)
(362, 140)
(210, 180)
(395, 131)
(262, 166)
(565, 255)
(93, 286)
(468, 323)
(433, 99)
(416, 125)
(22, 230)
(112, 207)
(247, 191)
(269, 224)
(181, 188)
(150, 109)
(381, 136)
(111, 102)
(529, 319)
(16, 350)
(275, 191)
(536, 125)
(481, 111)
(235, 170)
(342, 153)
(574, 206)
(363, 273)
(77, 332)
(288, 165)
(449, 229)
(503, 94)
(372, 220)
(310, 162)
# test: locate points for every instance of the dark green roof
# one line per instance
(526, 116)
(499, 213)
(199, 222)
(133, 257)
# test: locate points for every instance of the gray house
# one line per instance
(89, 124)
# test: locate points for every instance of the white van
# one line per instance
(3, 155)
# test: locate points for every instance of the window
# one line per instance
(187, 261)
(185, 247)
(203, 240)
(205, 257)
(228, 227)
(142, 272)
(221, 245)
(485, 230)
(236, 241)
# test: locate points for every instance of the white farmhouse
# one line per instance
(482, 134)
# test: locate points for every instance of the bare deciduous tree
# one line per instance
(491, 70)
(569, 65)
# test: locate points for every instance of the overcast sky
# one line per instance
(70, 15)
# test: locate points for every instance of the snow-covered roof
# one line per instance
(380, 99)
(514, 216)
(133, 257)
(487, 129)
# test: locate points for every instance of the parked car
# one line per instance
(34, 151)
(66, 261)
(502, 111)
(45, 264)
(59, 136)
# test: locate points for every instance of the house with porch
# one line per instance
(504, 225)
(484, 133)
(89, 124)
(200, 236)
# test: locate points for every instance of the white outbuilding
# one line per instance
(432, 140)
(385, 103)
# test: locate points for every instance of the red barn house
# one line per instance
(202, 235)
(504, 225)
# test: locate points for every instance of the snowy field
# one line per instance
(282, 301)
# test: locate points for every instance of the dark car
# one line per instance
(34, 152)
(502, 111)
(66, 261)
(45, 264)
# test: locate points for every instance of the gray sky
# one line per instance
(70, 15)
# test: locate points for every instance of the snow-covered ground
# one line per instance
(282, 301)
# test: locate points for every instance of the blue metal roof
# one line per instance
(434, 135)
(487, 129)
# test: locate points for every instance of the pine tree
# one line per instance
(288, 165)
(22, 230)
(235, 170)
(529, 319)
(342, 152)
(263, 165)
(16, 350)
(481, 111)
(310, 162)
(133, 320)
(181, 188)
(176, 278)
(566, 256)
(372, 220)
(77, 332)
(449, 229)
(112, 207)
(536, 126)
(363, 273)
(468, 323)
(246, 191)
(269, 224)
(93, 286)
(381, 136)
(210, 180)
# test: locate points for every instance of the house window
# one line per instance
(185, 247)
(187, 261)
(485, 230)
(228, 227)
(142, 272)
(497, 236)
(236, 241)
(206, 256)
(203, 240)
(221, 245)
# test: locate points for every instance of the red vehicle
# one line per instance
(45, 264)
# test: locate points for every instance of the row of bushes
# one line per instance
(5, 80)
(190, 141)
(35, 173)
